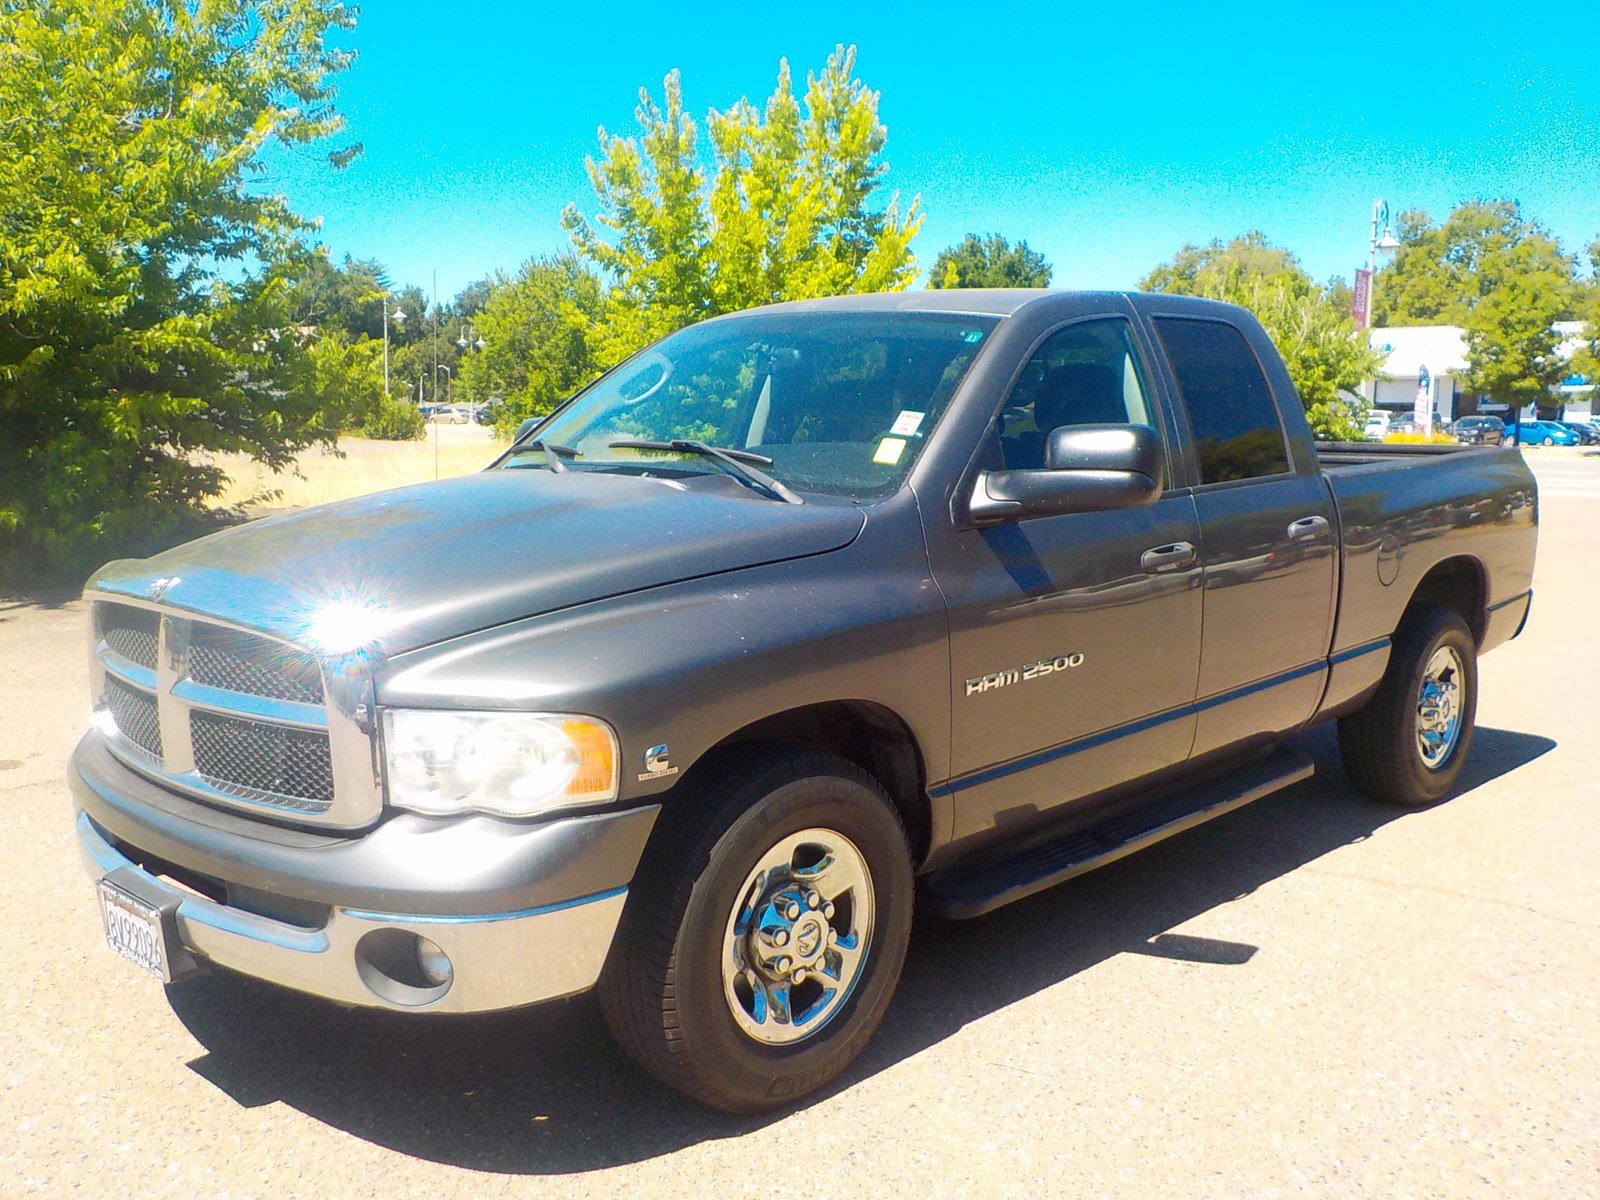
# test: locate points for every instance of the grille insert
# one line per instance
(269, 763)
(131, 632)
(241, 662)
(135, 714)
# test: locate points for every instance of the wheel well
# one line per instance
(1456, 583)
(869, 735)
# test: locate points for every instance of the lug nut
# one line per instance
(799, 975)
(781, 938)
(813, 900)
(827, 910)
(782, 965)
(791, 910)
(833, 937)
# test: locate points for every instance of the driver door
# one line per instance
(1074, 639)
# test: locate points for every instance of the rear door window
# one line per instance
(1232, 415)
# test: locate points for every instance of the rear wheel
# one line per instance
(764, 933)
(1409, 742)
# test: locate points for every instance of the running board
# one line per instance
(973, 891)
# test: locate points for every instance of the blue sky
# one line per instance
(1105, 135)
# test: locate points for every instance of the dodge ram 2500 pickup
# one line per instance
(796, 619)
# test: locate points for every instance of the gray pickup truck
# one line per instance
(795, 620)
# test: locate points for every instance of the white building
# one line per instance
(1442, 349)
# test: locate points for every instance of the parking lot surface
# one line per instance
(1310, 996)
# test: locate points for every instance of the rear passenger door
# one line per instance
(1267, 534)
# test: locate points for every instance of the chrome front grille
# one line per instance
(131, 633)
(253, 666)
(234, 718)
(134, 712)
(263, 761)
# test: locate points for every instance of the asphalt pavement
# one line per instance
(1312, 996)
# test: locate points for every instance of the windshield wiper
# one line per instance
(554, 452)
(732, 461)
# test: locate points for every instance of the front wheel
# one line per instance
(1409, 742)
(765, 932)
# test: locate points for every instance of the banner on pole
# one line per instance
(1361, 294)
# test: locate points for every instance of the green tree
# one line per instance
(1512, 342)
(989, 262)
(536, 328)
(787, 209)
(1503, 279)
(145, 287)
(1440, 272)
(1325, 354)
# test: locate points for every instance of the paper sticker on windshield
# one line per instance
(889, 451)
(907, 423)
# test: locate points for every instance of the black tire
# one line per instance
(662, 989)
(1378, 742)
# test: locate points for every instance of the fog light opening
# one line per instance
(403, 969)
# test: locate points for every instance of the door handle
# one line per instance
(1307, 527)
(1167, 558)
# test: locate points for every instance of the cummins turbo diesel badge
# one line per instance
(1022, 674)
(657, 764)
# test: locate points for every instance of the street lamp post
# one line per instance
(470, 339)
(399, 320)
(1388, 243)
(1385, 244)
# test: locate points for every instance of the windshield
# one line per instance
(840, 402)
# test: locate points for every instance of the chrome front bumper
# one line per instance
(500, 960)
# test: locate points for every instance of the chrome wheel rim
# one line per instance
(797, 937)
(1439, 707)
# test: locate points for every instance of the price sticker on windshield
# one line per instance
(907, 423)
(889, 451)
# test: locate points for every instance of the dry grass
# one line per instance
(358, 468)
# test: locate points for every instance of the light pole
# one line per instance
(1386, 244)
(470, 339)
(399, 320)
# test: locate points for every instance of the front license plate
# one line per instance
(133, 929)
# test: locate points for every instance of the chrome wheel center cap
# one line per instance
(808, 937)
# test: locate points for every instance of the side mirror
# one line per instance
(522, 430)
(1088, 468)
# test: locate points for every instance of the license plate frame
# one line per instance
(136, 930)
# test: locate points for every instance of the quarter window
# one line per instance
(1235, 423)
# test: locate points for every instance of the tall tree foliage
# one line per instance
(1311, 325)
(536, 329)
(788, 207)
(989, 262)
(145, 307)
(1503, 279)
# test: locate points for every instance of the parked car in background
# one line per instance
(1479, 431)
(451, 414)
(1542, 433)
(1378, 424)
(1588, 434)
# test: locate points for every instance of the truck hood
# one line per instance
(397, 570)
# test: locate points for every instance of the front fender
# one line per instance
(687, 664)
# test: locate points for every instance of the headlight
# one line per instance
(508, 764)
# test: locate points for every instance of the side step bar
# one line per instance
(973, 891)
